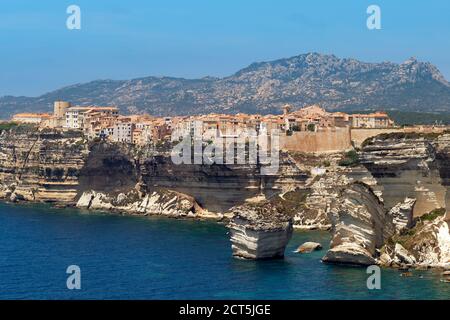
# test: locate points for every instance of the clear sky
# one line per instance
(195, 38)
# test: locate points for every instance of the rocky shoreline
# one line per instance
(261, 230)
(382, 204)
(162, 202)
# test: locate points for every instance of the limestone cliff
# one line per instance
(161, 202)
(425, 245)
(361, 225)
(40, 166)
(59, 167)
(402, 215)
(219, 187)
(443, 164)
(366, 233)
(411, 176)
(410, 165)
(327, 177)
(262, 229)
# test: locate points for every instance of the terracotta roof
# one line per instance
(32, 115)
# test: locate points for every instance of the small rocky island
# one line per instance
(262, 228)
(259, 231)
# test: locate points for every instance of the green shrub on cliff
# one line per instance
(25, 128)
(7, 126)
(351, 158)
(326, 163)
(433, 214)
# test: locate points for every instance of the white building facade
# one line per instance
(123, 132)
(75, 115)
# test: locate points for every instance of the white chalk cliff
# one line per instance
(162, 202)
(360, 226)
(259, 231)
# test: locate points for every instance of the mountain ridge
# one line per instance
(263, 87)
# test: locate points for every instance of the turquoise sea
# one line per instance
(122, 257)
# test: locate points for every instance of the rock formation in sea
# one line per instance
(408, 175)
(361, 225)
(260, 230)
(427, 244)
(308, 247)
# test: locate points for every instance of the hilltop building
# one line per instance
(372, 120)
(123, 131)
(31, 118)
(75, 116)
(307, 129)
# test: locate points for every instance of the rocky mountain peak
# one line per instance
(410, 61)
(417, 70)
(264, 87)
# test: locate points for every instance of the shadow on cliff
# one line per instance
(108, 169)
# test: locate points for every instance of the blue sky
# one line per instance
(195, 38)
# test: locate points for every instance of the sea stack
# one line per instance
(260, 231)
(361, 225)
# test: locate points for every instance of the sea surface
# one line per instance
(123, 257)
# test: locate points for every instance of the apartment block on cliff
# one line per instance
(123, 130)
(312, 126)
(321, 118)
(94, 122)
(372, 120)
(161, 130)
(75, 116)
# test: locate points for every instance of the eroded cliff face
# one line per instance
(109, 168)
(410, 179)
(427, 244)
(138, 202)
(443, 164)
(361, 225)
(410, 165)
(260, 230)
(220, 187)
(41, 166)
(326, 178)
(61, 166)
(365, 232)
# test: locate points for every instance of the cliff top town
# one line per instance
(316, 129)
(393, 179)
(106, 122)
